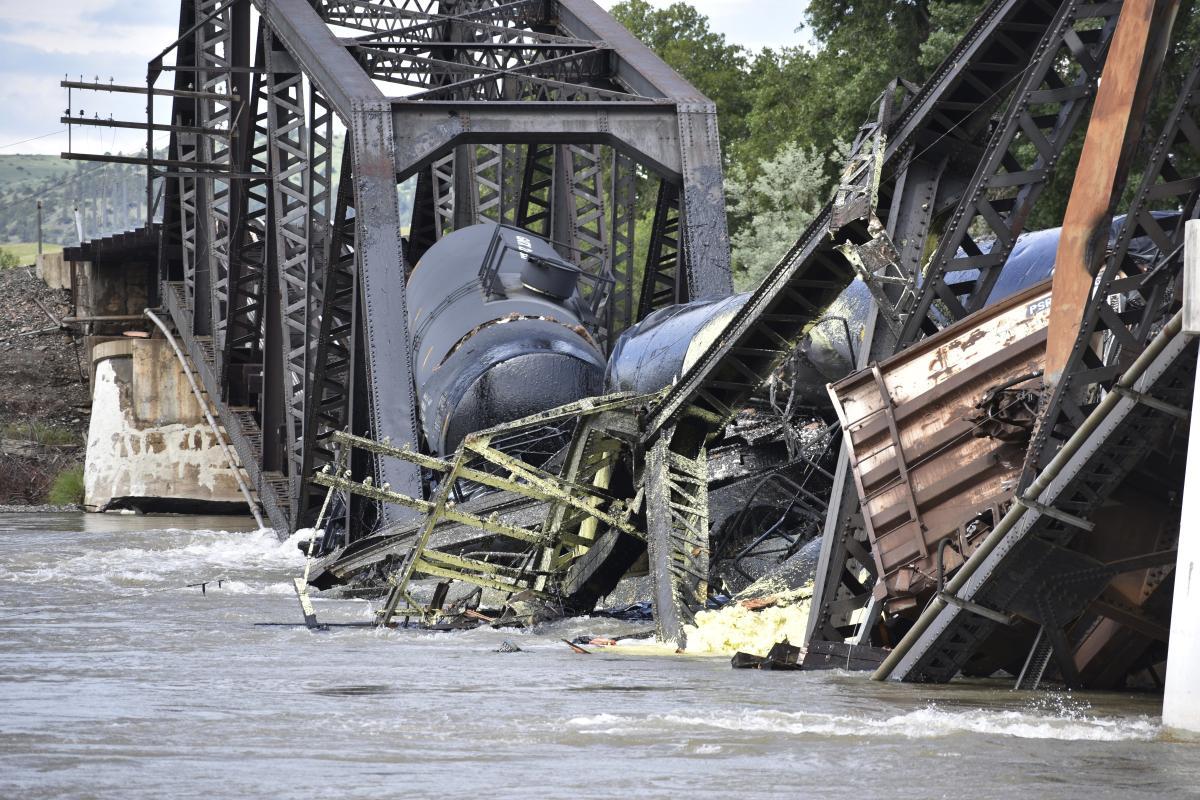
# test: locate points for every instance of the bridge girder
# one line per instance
(284, 267)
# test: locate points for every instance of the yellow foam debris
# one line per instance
(735, 628)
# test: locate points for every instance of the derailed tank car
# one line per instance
(501, 330)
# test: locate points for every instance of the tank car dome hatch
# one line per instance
(556, 279)
(494, 338)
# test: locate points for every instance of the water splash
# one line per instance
(155, 558)
(926, 723)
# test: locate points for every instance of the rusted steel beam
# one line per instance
(1134, 60)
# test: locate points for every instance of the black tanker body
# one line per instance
(657, 351)
(521, 344)
(500, 331)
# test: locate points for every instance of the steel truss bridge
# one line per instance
(293, 123)
(288, 285)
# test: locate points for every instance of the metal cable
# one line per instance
(212, 423)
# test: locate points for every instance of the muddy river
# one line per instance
(120, 679)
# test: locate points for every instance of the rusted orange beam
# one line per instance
(1134, 59)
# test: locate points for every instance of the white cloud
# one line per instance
(138, 42)
(40, 43)
(137, 29)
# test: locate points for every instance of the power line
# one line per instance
(32, 193)
(32, 139)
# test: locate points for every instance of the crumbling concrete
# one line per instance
(149, 446)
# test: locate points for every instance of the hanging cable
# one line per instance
(212, 423)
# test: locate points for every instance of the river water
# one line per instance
(119, 681)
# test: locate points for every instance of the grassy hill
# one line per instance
(111, 198)
(24, 171)
(25, 252)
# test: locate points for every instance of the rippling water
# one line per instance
(117, 681)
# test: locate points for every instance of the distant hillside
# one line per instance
(18, 171)
(110, 197)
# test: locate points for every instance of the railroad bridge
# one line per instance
(283, 256)
(283, 251)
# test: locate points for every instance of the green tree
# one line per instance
(8, 259)
(812, 95)
(780, 84)
(948, 21)
(681, 36)
(769, 210)
(861, 46)
(782, 110)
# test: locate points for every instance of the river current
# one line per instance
(120, 680)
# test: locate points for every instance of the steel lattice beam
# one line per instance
(1021, 157)
(288, 134)
(1015, 50)
(542, 113)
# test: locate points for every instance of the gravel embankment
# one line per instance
(43, 509)
(44, 401)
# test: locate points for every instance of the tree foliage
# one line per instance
(862, 45)
(768, 210)
(782, 112)
(947, 22)
(681, 36)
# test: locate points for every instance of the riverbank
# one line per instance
(44, 508)
(45, 404)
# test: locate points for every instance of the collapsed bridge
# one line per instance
(956, 516)
(283, 263)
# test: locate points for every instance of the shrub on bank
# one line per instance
(67, 488)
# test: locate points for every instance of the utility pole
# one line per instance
(39, 234)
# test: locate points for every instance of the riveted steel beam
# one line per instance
(644, 130)
(544, 114)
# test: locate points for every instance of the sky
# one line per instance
(42, 42)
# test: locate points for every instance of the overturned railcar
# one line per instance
(501, 330)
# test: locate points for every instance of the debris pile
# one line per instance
(752, 625)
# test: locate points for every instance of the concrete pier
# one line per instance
(149, 447)
(1181, 696)
(55, 270)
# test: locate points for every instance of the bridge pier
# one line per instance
(1181, 695)
(149, 447)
